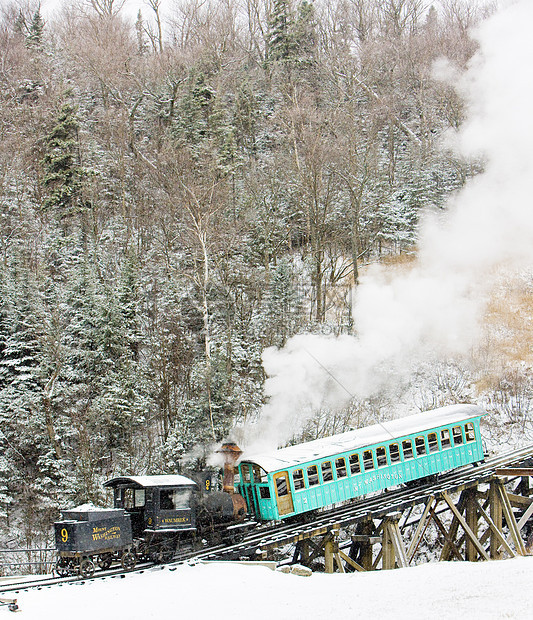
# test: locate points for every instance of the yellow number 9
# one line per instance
(64, 535)
(207, 484)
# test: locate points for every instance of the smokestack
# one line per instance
(231, 452)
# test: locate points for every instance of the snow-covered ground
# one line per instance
(227, 591)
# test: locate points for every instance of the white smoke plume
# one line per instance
(432, 311)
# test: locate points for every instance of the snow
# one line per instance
(227, 591)
(85, 508)
(170, 480)
(384, 431)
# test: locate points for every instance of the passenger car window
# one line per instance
(139, 498)
(457, 436)
(407, 447)
(433, 444)
(312, 475)
(420, 446)
(355, 465)
(264, 492)
(394, 453)
(368, 461)
(469, 432)
(298, 479)
(445, 438)
(327, 471)
(259, 474)
(381, 457)
(340, 466)
(281, 486)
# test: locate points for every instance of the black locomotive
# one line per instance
(153, 517)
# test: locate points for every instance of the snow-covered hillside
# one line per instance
(226, 591)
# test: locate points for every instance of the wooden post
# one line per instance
(472, 520)
(510, 519)
(363, 542)
(393, 547)
(389, 559)
(496, 516)
(328, 555)
(336, 551)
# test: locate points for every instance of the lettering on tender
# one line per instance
(105, 533)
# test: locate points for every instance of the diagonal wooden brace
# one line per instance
(469, 533)
(510, 519)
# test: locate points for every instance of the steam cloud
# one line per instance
(434, 309)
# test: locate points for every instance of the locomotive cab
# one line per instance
(156, 503)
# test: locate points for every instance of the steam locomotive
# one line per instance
(153, 516)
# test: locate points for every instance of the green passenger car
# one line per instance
(296, 479)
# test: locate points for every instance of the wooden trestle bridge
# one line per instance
(477, 513)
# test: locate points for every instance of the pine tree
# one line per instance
(280, 33)
(139, 32)
(305, 36)
(34, 39)
(62, 170)
(283, 308)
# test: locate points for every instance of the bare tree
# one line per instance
(157, 37)
(106, 8)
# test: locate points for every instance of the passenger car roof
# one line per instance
(141, 482)
(361, 437)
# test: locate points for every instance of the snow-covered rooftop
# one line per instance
(352, 440)
(168, 480)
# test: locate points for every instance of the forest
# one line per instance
(179, 192)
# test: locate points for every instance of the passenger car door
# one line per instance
(283, 493)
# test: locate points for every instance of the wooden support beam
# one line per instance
(468, 531)
(399, 547)
(301, 552)
(510, 519)
(518, 501)
(525, 517)
(472, 520)
(522, 488)
(331, 551)
(406, 519)
(495, 531)
(496, 515)
(335, 547)
(351, 562)
(393, 547)
(328, 556)
(364, 538)
(452, 532)
(318, 548)
(514, 471)
(338, 560)
(421, 529)
(366, 553)
(447, 537)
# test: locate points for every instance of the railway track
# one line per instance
(269, 536)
